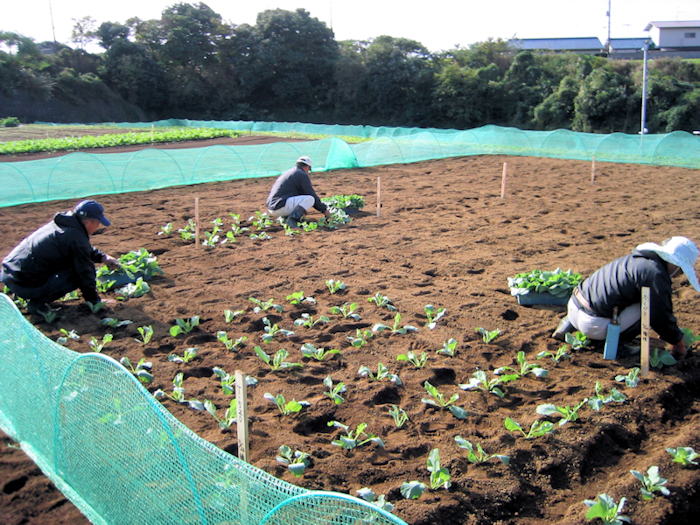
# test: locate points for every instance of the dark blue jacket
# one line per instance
(620, 283)
(62, 244)
(292, 183)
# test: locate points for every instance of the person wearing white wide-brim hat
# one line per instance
(292, 194)
(619, 284)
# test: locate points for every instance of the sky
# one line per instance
(437, 24)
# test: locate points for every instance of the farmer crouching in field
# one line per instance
(58, 258)
(292, 194)
(620, 283)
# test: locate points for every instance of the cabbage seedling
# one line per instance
(556, 357)
(308, 226)
(631, 379)
(354, 438)
(607, 510)
(689, 338)
(319, 354)
(382, 373)
(260, 220)
(412, 489)
(568, 414)
(265, 306)
(659, 359)
(95, 307)
(419, 361)
(188, 232)
(335, 286)
(577, 340)
(478, 455)
(114, 322)
(433, 315)
(141, 370)
(21, 303)
(228, 381)
(271, 330)
(49, 315)
(262, 236)
(538, 428)
(98, 345)
(347, 310)
(481, 381)
(382, 301)
(597, 401)
(277, 361)
(229, 417)
(683, 455)
(286, 407)
(439, 476)
(211, 238)
(334, 391)
(438, 400)
(651, 482)
(72, 334)
(104, 286)
(368, 494)
(297, 461)
(146, 334)
(189, 355)
(184, 326)
(399, 415)
(397, 328)
(448, 348)
(137, 289)
(230, 344)
(361, 338)
(178, 394)
(308, 321)
(166, 230)
(70, 296)
(297, 298)
(525, 368)
(230, 315)
(488, 336)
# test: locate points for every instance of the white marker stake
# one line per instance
(645, 331)
(503, 180)
(196, 220)
(242, 415)
(593, 171)
(379, 196)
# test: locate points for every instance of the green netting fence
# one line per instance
(121, 457)
(81, 174)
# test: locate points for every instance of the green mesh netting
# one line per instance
(81, 174)
(121, 457)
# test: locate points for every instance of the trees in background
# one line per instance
(288, 66)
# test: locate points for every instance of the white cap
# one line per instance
(679, 251)
(304, 160)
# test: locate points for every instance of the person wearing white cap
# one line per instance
(58, 258)
(619, 284)
(292, 194)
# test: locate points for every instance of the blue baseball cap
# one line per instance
(90, 209)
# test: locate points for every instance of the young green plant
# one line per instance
(396, 328)
(354, 438)
(439, 476)
(319, 354)
(607, 510)
(382, 373)
(399, 415)
(433, 315)
(285, 407)
(651, 482)
(334, 391)
(437, 399)
(189, 355)
(419, 361)
(478, 455)
(184, 326)
(277, 360)
(488, 336)
(538, 428)
(297, 462)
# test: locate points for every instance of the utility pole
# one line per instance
(607, 45)
(53, 30)
(644, 94)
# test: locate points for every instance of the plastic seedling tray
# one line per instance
(531, 298)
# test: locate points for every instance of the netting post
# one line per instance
(593, 171)
(196, 221)
(644, 371)
(379, 196)
(242, 415)
(503, 180)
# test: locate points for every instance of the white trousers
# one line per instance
(596, 328)
(305, 201)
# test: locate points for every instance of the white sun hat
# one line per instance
(304, 160)
(679, 251)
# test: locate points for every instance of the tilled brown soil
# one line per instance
(446, 238)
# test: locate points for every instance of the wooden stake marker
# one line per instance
(379, 196)
(503, 180)
(196, 220)
(644, 371)
(242, 415)
(593, 171)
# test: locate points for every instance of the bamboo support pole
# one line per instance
(593, 171)
(196, 221)
(503, 180)
(379, 196)
(644, 371)
(242, 415)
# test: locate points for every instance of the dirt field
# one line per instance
(445, 237)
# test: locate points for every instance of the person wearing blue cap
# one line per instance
(58, 258)
(292, 195)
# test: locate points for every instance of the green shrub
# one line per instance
(9, 122)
